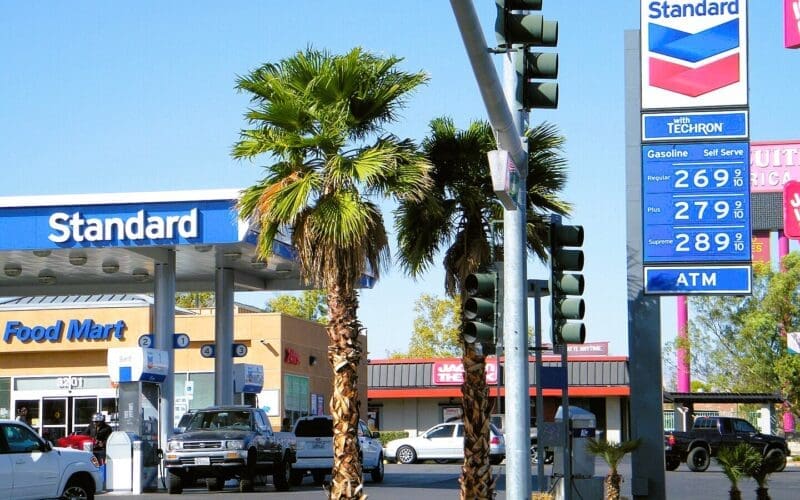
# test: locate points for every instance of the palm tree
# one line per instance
(759, 467)
(612, 453)
(732, 460)
(456, 217)
(320, 119)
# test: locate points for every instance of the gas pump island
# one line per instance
(132, 452)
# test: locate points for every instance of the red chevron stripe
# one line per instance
(694, 82)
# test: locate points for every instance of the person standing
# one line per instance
(100, 431)
(22, 415)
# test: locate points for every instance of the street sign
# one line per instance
(505, 178)
(239, 350)
(208, 350)
(709, 280)
(180, 341)
(696, 203)
(699, 126)
(146, 340)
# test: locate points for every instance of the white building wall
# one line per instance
(413, 415)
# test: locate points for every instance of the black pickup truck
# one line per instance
(709, 434)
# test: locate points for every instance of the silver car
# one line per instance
(442, 443)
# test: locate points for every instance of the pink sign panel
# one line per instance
(773, 164)
(452, 373)
(791, 209)
(760, 246)
(588, 349)
(791, 24)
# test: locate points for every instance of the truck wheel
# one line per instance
(698, 459)
(79, 488)
(376, 474)
(281, 475)
(296, 477)
(673, 463)
(777, 459)
(174, 484)
(319, 477)
(246, 485)
(214, 483)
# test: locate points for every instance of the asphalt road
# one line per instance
(422, 481)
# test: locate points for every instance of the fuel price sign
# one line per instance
(696, 202)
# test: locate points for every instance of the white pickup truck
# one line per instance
(314, 437)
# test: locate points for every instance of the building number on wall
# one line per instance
(69, 382)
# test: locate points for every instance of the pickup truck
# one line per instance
(227, 442)
(709, 434)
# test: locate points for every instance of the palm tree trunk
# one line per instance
(735, 493)
(344, 355)
(613, 481)
(762, 493)
(476, 474)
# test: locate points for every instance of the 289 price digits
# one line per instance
(705, 242)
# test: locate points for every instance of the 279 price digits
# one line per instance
(720, 209)
(704, 242)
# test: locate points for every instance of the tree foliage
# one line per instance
(194, 300)
(309, 304)
(435, 331)
(738, 344)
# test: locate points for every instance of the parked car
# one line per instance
(226, 442)
(31, 468)
(314, 437)
(709, 434)
(442, 442)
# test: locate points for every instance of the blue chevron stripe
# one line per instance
(694, 47)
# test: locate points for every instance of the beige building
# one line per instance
(53, 355)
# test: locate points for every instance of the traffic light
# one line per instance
(480, 309)
(566, 283)
(516, 26)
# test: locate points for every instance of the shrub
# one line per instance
(387, 436)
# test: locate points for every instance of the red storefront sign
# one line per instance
(760, 246)
(791, 209)
(452, 373)
(291, 356)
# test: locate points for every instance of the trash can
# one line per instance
(582, 426)
(119, 461)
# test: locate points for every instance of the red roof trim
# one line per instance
(547, 358)
(455, 392)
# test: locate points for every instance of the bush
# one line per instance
(387, 436)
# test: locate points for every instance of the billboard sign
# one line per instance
(694, 54)
(791, 24)
(791, 209)
(696, 203)
(773, 164)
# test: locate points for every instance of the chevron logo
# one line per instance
(694, 77)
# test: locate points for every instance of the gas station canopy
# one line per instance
(109, 243)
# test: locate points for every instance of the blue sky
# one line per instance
(139, 96)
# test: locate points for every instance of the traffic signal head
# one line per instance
(480, 308)
(537, 65)
(513, 26)
(566, 284)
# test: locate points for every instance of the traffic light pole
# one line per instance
(515, 331)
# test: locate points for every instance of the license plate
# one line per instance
(202, 461)
(318, 444)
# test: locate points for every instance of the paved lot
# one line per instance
(423, 481)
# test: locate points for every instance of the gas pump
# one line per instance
(132, 450)
(248, 380)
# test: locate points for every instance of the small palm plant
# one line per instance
(732, 459)
(612, 453)
(759, 467)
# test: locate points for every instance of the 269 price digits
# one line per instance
(704, 242)
(701, 178)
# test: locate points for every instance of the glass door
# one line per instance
(54, 418)
(83, 408)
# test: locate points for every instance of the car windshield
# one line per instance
(215, 420)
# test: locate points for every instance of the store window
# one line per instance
(296, 398)
(5, 397)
